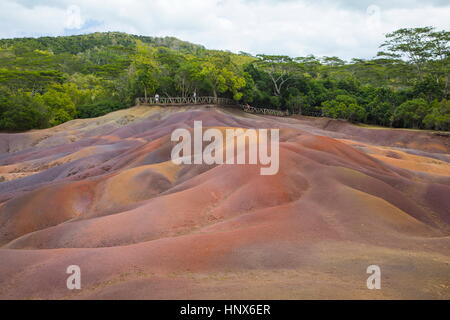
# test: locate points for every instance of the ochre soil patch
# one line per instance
(103, 194)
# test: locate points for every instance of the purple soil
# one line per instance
(112, 202)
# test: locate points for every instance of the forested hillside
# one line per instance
(50, 80)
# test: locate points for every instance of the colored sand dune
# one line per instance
(103, 194)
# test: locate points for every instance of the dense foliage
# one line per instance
(47, 81)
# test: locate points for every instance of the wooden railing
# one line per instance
(209, 100)
(186, 100)
(271, 112)
(312, 114)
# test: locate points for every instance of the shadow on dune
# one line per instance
(139, 226)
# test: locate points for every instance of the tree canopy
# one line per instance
(47, 81)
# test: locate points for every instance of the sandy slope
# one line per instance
(103, 194)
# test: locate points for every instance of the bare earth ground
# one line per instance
(103, 194)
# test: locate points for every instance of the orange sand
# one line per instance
(103, 194)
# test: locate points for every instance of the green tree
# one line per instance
(424, 48)
(411, 113)
(344, 107)
(439, 117)
(23, 112)
(221, 75)
(414, 44)
(59, 104)
(144, 69)
(297, 103)
(280, 70)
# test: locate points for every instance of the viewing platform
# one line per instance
(225, 102)
(187, 100)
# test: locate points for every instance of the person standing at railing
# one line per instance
(157, 98)
(195, 97)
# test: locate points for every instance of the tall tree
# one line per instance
(279, 68)
(145, 69)
(411, 43)
(219, 73)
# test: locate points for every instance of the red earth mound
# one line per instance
(104, 194)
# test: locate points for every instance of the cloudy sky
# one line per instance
(344, 28)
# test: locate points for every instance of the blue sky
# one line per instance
(352, 28)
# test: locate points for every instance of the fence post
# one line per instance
(212, 100)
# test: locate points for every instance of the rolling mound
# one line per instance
(104, 194)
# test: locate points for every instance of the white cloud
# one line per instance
(74, 20)
(294, 27)
(17, 21)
